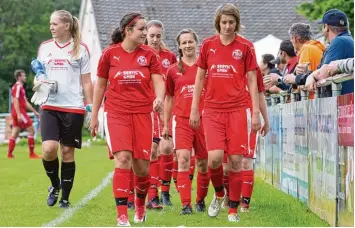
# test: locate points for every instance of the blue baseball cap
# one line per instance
(334, 17)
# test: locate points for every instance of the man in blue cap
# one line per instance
(336, 32)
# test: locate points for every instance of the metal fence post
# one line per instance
(282, 99)
(273, 101)
(336, 89)
(293, 97)
(304, 95)
(316, 93)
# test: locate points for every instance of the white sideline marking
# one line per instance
(68, 213)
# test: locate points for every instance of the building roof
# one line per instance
(259, 17)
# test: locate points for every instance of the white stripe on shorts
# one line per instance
(108, 139)
(174, 130)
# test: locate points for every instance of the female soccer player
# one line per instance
(228, 58)
(67, 61)
(130, 67)
(161, 163)
(180, 80)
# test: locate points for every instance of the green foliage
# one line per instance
(24, 24)
(317, 8)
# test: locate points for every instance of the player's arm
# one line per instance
(199, 82)
(29, 107)
(87, 87)
(17, 107)
(263, 110)
(158, 85)
(254, 94)
(168, 108)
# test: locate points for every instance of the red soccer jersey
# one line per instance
(18, 92)
(181, 86)
(129, 76)
(227, 66)
(167, 58)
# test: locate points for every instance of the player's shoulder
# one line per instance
(210, 39)
(167, 52)
(111, 48)
(84, 47)
(146, 49)
(46, 43)
(241, 39)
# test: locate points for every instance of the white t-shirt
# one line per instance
(63, 68)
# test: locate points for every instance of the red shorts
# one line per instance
(187, 138)
(25, 121)
(226, 131)
(132, 132)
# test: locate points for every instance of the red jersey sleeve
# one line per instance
(16, 91)
(169, 83)
(259, 78)
(250, 60)
(155, 66)
(174, 60)
(104, 65)
(202, 58)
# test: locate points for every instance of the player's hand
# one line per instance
(265, 129)
(88, 113)
(94, 125)
(165, 133)
(290, 79)
(42, 89)
(158, 105)
(37, 114)
(255, 122)
(19, 118)
(194, 119)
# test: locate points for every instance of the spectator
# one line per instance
(280, 66)
(336, 32)
(287, 56)
(266, 66)
(309, 52)
(336, 67)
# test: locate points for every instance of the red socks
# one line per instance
(203, 181)
(226, 184)
(142, 185)
(175, 173)
(247, 185)
(166, 171)
(235, 189)
(217, 180)
(192, 167)
(120, 187)
(31, 144)
(184, 187)
(131, 187)
(12, 143)
(154, 180)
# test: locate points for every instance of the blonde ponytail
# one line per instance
(75, 33)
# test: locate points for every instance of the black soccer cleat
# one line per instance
(165, 198)
(130, 205)
(52, 196)
(64, 204)
(187, 210)
(201, 206)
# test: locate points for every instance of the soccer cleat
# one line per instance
(244, 208)
(130, 205)
(215, 206)
(34, 156)
(233, 218)
(140, 215)
(225, 202)
(123, 221)
(165, 197)
(187, 210)
(200, 206)
(10, 156)
(154, 204)
(52, 196)
(64, 204)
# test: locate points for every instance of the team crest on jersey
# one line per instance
(166, 63)
(237, 54)
(142, 60)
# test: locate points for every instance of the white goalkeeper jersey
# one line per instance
(63, 68)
